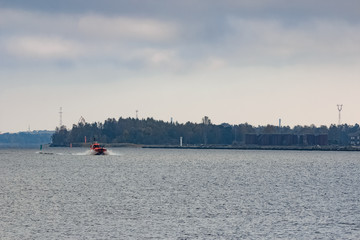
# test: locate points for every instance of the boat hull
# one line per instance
(99, 152)
(96, 149)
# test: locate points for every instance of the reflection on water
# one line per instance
(179, 194)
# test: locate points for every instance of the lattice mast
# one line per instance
(339, 107)
(60, 114)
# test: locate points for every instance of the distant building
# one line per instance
(354, 138)
(286, 139)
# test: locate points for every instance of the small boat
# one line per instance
(96, 149)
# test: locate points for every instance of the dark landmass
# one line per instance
(152, 133)
(25, 139)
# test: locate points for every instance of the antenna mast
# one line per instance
(339, 107)
(82, 121)
(61, 117)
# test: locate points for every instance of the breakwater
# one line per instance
(226, 147)
(246, 147)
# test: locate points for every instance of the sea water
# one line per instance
(179, 194)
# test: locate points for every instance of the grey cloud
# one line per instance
(188, 9)
(179, 34)
(120, 28)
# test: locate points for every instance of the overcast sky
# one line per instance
(235, 61)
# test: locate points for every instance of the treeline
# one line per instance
(156, 132)
(25, 139)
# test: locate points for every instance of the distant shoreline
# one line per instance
(282, 148)
(225, 147)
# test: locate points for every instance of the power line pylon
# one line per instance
(60, 117)
(339, 107)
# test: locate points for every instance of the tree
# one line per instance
(61, 136)
(151, 131)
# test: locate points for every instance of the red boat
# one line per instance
(96, 149)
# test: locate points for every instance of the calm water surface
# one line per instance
(179, 194)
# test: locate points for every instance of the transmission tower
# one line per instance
(137, 114)
(82, 121)
(60, 113)
(339, 107)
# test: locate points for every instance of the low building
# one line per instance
(286, 139)
(354, 138)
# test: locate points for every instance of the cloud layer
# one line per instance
(138, 41)
(189, 49)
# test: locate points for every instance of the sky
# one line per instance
(234, 61)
